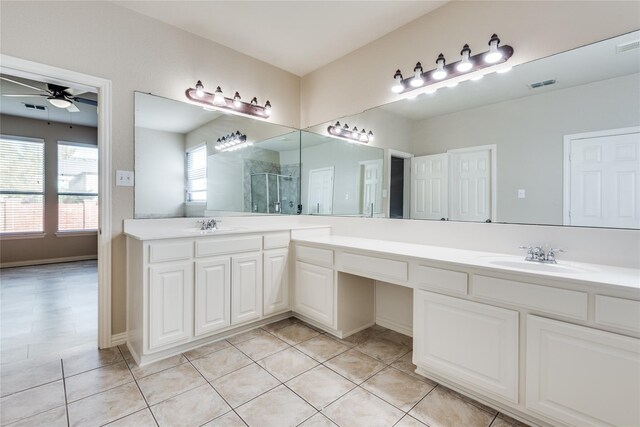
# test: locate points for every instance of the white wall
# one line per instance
(529, 133)
(135, 52)
(363, 78)
(159, 191)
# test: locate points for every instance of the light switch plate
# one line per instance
(521, 194)
(124, 178)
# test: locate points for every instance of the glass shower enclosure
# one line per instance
(274, 193)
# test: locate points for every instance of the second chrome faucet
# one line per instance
(539, 254)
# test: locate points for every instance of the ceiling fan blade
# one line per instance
(33, 95)
(85, 101)
(23, 84)
(72, 108)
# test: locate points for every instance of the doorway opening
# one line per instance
(396, 188)
(82, 197)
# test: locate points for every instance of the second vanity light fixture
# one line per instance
(353, 135)
(217, 100)
(232, 142)
(495, 55)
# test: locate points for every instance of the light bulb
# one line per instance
(465, 65)
(494, 55)
(439, 73)
(59, 101)
(417, 81)
(345, 128)
(337, 129)
(370, 135)
(354, 132)
(504, 70)
(267, 108)
(398, 86)
(199, 89)
(237, 100)
(218, 97)
(477, 77)
(254, 101)
(363, 135)
(218, 147)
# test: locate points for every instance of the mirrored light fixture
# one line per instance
(351, 135)
(231, 142)
(467, 64)
(217, 101)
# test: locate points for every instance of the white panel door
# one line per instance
(581, 376)
(605, 181)
(475, 344)
(371, 180)
(276, 283)
(246, 288)
(314, 292)
(213, 295)
(170, 304)
(320, 191)
(429, 187)
(470, 196)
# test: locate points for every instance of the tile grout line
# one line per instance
(139, 389)
(64, 386)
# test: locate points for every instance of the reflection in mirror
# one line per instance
(185, 168)
(554, 141)
(340, 177)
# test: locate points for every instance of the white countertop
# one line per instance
(155, 230)
(564, 270)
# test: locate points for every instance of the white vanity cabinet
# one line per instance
(314, 293)
(170, 303)
(212, 294)
(473, 343)
(565, 362)
(246, 288)
(276, 281)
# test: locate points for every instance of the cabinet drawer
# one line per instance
(438, 278)
(174, 251)
(618, 312)
(537, 297)
(387, 269)
(315, 255)
(276, 240)
(223, 246)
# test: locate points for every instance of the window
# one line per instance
(21, 185)
(197, 174)
(77, 187)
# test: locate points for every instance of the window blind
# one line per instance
(21, 185)
(77, 186)
(197, 174)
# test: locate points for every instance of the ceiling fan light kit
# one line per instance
(467, 64)
(58, 96)
(217, 101)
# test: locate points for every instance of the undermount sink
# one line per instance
(196, 230)
(537, 267)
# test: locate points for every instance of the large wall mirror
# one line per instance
(184, 167)
(553, 141)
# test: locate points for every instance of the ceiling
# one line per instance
(297, 36)
(87, 116)
(592, 63)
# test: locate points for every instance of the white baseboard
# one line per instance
(395, 326)
(118, 339)
(47, 261)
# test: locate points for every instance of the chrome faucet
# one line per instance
(538, 254)
(208, 224)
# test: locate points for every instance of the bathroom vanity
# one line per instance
(526, 338)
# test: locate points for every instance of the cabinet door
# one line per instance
(475, 344)
(276, 285)
(213, 295)
(582, 376)
(170, 304)
(314, 292)
(246, 288)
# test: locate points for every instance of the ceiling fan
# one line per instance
(58, 96)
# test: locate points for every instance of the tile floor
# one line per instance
(284, 374)
(47, 309)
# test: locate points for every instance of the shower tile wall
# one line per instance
(255, 191)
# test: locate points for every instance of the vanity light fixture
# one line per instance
(467, 64)
(351, 135)
(504, 70)
(217, 101)
(231, 142)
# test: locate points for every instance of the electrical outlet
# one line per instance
(521, 194)
(124, 178)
